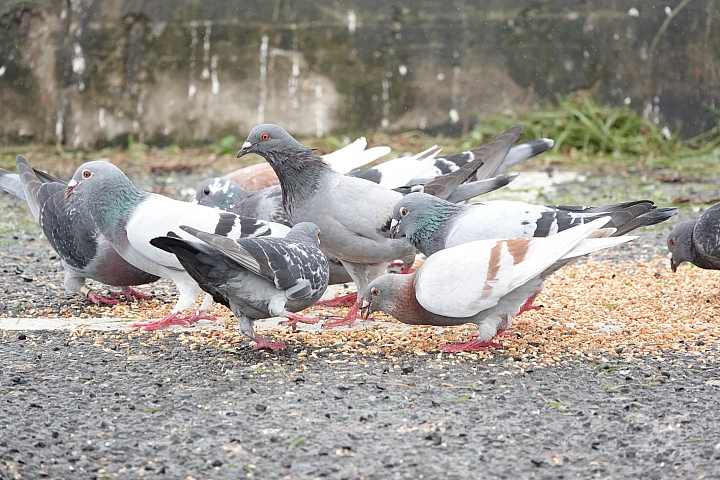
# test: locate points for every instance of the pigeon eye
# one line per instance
(403, 211)
(264, 137)
(671, 242)
(206, 191)
(86, 174)
(375, 292)
(318, 234)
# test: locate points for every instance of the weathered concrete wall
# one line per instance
(85, 72)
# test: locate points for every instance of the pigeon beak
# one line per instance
(245, 149)
(673, 265)
(394, 227)
(71, 186)
(365, 310)
(194, 200)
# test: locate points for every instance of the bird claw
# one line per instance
(341, 301)
(98, 299)
(293, 319)
(261, 343)
(133, 294)
(172, 319)
(349, 318)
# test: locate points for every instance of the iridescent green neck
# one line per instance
(111, 206)
(427, 223)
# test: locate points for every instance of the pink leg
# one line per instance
(173, 319)
(341, 301)
(132, 294)
(474, 345)
(293, 319)
(98, 299)
(349, 318)
(528, 305)
(261, 343)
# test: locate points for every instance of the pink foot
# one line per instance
(261, 343)
(173, 319)
(132, 294)
(528, 305)
(341, 301)
(293, 319)
(349, 318)
(98, 299)
(506, 333)
(474, 345)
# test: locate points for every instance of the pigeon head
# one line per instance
(418, 216)
(220, 193)
(305, 232)
(679, 243)
(382, 295)
(97, 176)
(270, 142)
(108, 193)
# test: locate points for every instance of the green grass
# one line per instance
(587, 136)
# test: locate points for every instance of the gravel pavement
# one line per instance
(142, 406)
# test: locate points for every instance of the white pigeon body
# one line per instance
(432, 224)
(129, 218)
(483, 282)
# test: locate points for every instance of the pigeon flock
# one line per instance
(267, 240)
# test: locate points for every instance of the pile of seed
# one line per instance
(597, 310)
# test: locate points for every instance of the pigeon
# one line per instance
(266, 204)
(256, 277)
(351, 156)
(129, 218)
(484, 282)
(432, 224)
(697, 241)
(352, 213)
(83, 250)
(498, 155)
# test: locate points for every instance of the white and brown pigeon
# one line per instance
(258, 277)
(84, 252)
(129, 218)
(483, 282)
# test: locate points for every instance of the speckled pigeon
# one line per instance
(432, 224)
(352, 213)
(483, 282)
(697, 241)
(256, 277)
(67, 224)
(129, 218)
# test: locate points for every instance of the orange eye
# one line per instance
(86, 174)
(671, 242)
(318, 234)
(264, 137)
(375, 292)
(403, 211)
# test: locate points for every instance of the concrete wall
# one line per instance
(90, 72)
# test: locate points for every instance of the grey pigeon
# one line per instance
(129, 218)
(697, 241)
(67, 224)
(265, 204)
(432, 224)
(483, 282)
(256, 277)
(352, 213)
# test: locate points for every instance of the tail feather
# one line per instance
(520, 153)
(10, 182)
